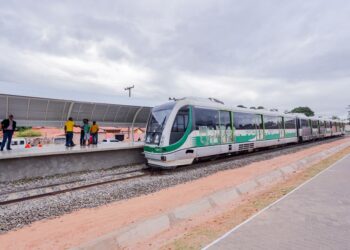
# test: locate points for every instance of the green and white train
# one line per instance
(185, 130)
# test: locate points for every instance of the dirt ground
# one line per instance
(82, 226)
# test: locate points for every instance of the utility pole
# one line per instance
(129, 89)
(348, 108)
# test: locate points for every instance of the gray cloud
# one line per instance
(273, 53)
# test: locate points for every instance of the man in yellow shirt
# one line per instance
(94, 132)
(69, 129)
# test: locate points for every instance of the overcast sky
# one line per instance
(274, 53)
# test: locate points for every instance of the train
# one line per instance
(186, 130)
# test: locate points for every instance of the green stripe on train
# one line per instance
(244, 138)
(290, 135)
(272, 136)
(201, 141)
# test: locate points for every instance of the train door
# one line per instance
(226, 127)
(259, 128)
(281, 127)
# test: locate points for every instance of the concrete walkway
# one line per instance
(48, 150)
(314, 216)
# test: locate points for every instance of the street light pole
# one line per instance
(129, 89)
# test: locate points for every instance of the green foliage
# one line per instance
(303, 110)
(28, 132)
(241, 106)
(334, 117)
(260, 107)
(20, 129)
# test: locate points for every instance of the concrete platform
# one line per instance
(314, 216)
(61, 149)
(57, 159)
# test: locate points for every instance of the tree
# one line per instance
(334, 117)
(241, 106)
(261, 107)
(252, 107)
(303, 110)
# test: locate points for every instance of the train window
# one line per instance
(207, 118)
(280, 123)
(271, 122)
(289, 123)
(245, 121)
(259, 122)
(314, 124)
(304, 123)
(225, 119)
(180, 125)
(322, 125)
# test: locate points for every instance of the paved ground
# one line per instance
(315, 216)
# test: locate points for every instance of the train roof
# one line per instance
(215, 103)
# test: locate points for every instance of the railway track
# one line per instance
(7, 198)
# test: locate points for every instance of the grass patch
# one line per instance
(28, 133)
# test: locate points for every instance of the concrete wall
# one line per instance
(31, 167)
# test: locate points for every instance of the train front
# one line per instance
(166, 134)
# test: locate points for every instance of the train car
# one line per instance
(337, 128)
(305, 128)
(185, 130)
(182, 131)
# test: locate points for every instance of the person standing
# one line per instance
(82, 133)
(86, 132)
(94, 132)
(8, 127)
(69, 129)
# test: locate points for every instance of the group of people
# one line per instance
(8, 127)
(88, 133)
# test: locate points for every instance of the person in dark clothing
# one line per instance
(8, 127)
(82, 134)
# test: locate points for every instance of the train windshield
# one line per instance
(157, 123)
